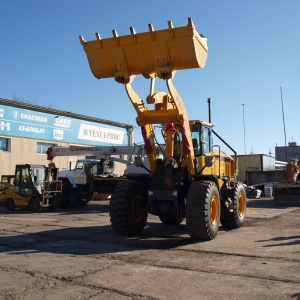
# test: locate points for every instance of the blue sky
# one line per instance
(253, 51)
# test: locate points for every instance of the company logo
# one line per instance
(62, 122)
(1, 113)
(5, 126)
(31, 129)
(16, 114)
(29, 117)
(100, 134)
(58, 134)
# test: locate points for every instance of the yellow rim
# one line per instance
(138, 218)
(241, 205)
(214, 210)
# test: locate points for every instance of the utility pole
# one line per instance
(286, 158)
(209, 112)
(245, 160)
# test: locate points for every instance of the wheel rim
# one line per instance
(136, 209)
(241, 205)
(214, 210)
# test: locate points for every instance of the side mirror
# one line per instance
(139, 161)
(86, 168)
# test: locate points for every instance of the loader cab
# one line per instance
(29, 179)
(201, 137)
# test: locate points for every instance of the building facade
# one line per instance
(27, 131)
(287, 153)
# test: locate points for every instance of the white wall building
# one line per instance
(26, 132)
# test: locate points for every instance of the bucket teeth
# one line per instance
(152, 54)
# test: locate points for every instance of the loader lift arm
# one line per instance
(158, 54)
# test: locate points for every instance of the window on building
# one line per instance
(4, 144)
(41, 148)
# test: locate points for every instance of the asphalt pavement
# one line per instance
(74, 254)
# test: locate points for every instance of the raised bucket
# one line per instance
(150, 53)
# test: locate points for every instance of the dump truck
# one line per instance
(35, 187)
(194, 179)
(287, 191)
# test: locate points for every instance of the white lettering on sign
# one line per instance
(33, 118)
(29, 117)
(32, 129)
(62, 122)
(5, 126)
(100, 134)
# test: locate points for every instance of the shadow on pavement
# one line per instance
(94, 240)
(263, 203)
(283, 241)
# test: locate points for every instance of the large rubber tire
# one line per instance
(34, 204)
(203, 210)
(55, 204)
(10, 204)
(128, 208)
(171, 220)
(236, 218)
(75, 199)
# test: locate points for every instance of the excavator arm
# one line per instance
(153, 54)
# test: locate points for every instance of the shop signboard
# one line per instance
(22, 122)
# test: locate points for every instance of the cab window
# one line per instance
(205, 140)
(196, 130)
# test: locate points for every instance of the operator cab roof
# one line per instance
(193, 122)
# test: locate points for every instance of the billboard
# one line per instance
(22, 122)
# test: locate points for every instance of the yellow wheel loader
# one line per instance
(33, 186)
(193, 179)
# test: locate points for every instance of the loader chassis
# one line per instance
(193, 179)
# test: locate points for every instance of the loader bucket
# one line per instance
(152, 54)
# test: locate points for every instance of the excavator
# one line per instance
(193, 179)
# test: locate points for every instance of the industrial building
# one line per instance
(258, 168)
(27, 131)
(286, 153)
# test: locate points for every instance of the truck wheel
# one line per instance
(235, 219)
(10, 204)
(171, 220)
(203, 210)
(34, 204)
(128, 209)
(55, 204)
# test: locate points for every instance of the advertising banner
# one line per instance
(22, 122)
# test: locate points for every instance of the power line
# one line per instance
(267, 112)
